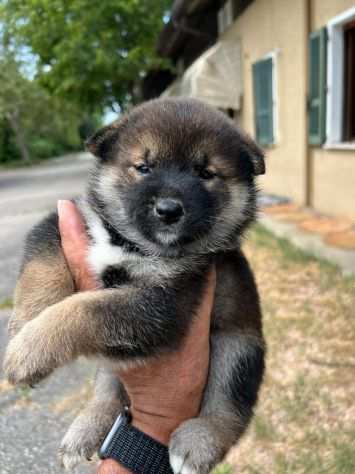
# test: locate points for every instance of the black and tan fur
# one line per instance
(152, 265)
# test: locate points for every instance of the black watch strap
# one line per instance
(135, 450)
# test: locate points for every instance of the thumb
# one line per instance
(74, 244)
(71, 226)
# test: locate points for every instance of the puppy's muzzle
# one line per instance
(168, 210)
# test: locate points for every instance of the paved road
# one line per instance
(26, 195)
(32, 422)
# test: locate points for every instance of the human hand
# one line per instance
(166, 391)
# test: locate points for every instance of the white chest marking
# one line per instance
(101, 252)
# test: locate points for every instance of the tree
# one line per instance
(17, 97)
(91, 52)
(40, 124)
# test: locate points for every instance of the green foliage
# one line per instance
(88, 126)
(8, 150)
(90, 52)
(33, 124)
(86, 55)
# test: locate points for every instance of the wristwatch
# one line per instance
(133, 449)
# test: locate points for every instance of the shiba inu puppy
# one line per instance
(171, 193)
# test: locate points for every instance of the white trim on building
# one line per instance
(273, 55)
(335, 78)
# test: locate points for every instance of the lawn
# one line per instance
(305, 420)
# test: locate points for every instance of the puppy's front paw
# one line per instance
(77, 448)
(80, 443)
(195, 448)
(88, 431)
(27, 360)
(73, 452)
(86, 434)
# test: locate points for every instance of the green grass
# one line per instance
(263, 428)
(18, 164)
(36, 160)
(261, 236)
(343, 461)
(290, 253)
(223, 469)
(6, 303)
(305, 421)
(25, 392)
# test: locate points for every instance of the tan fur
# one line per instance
(43, 282)
(58, 335)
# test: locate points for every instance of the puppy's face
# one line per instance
(176, 176)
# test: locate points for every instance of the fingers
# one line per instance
(71, 224)
(206, 305)
(75, 244)
(208, 298)
(109, 466)
(198, 336)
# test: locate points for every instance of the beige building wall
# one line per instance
(334, 182)
(319, 176)
(278, 26)
(333, 170)
(325, 10)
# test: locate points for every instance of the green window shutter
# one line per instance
(317, 86)
(263, 101)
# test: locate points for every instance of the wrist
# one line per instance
(110, 466)
(156, 428)
(159, 425)
(136, 447)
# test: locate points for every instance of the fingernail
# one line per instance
(60, 206)
(70, 219)
(67, 221)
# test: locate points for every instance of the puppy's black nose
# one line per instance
(169, 210)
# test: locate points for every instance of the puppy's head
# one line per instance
(175, 177)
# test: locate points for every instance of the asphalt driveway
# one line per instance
(32, 422)
(26, 195)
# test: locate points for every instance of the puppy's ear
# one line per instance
(102, 142)
(255, 155)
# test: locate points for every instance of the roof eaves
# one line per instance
(173, 35)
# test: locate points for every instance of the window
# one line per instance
(229, 12)
(226, 16)
(341, 80)
(349, 82)
(317, 87)
(264, 100)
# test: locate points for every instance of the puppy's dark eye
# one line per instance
(143, 169)
(206, 174)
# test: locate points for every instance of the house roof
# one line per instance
(184, 19)
(187, 7)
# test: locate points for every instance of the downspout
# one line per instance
(309, 172)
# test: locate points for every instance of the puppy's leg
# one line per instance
(126, 323)
(44, 277)
(236, 370)
(89, 429)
